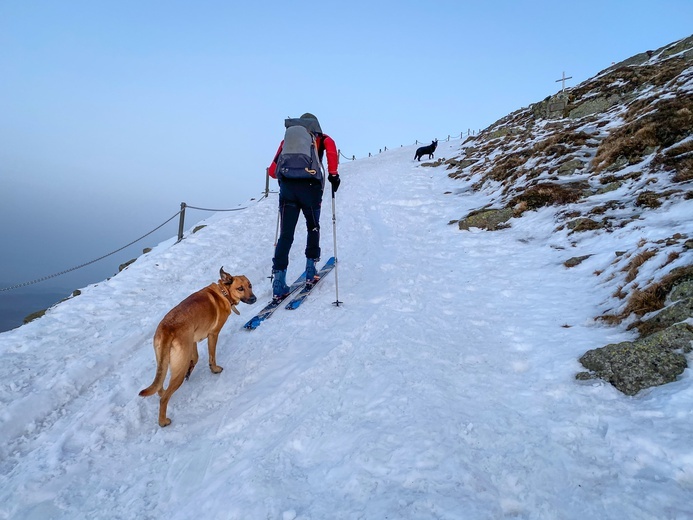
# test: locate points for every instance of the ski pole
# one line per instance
(336, 261)
(276, 239)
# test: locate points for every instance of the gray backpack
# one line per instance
(299, 156)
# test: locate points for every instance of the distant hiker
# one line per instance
(297, 166)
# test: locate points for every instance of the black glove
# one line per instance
(334, 180)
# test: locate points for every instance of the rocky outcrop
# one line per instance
(632, 366)
(489, 219)
(594, 106)
(606, 151)
(657, 357)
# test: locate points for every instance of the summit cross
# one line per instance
(562, 80)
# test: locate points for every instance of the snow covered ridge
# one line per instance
(608, 156)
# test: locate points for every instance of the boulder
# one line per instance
(633, 366)
(490, 219)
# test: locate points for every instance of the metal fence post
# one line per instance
(181, 221)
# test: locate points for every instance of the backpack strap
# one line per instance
(320, 147)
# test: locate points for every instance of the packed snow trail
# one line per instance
(443, 387)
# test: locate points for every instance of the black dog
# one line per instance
(420, 152)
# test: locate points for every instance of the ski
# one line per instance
(297, 300)
(272, 306)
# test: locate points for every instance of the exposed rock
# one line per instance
(612, 186)
(551, 108)
(569, 167)
(503, 131)
(584, 224)
(34, 315)
(618, 164)
(549, 194)
(670, 315)
(633, 366)
(123, 266)
(648, 199)
(464, 163)
(638, 59)
(576, 260)
(490, 219)
(678, 337)
(437, 162)
(681, 291)
(594, 106)
(683, 45)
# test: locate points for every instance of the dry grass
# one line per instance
(636, 262)
(586, 224)
(625, 80)
(670, 121)
(648, 300)
(674, 255)
(547, 194)
(678, 159)
(558, 143)
(648, 199)
(610, 319)
(684, 170)
(654, 127)
(620, 294)
(520, 208)
(639, 302)
(677, 275)
(508, 166)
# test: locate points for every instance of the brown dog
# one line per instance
(201, 315)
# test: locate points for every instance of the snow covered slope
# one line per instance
(443, 387)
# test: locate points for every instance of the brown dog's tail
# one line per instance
(161, 370)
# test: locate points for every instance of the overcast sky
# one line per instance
(113, 113)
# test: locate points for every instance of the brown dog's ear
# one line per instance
(226, 278)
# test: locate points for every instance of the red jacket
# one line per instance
(323, 141)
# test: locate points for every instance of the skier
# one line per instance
(297, 166)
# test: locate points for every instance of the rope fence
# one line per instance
(181, 226)
(448, 138)
(181, 221)
(43, 279)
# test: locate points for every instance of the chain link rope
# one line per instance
(44, 278)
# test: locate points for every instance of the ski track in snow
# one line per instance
(443, 387)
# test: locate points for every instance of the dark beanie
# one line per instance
(313, 126)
